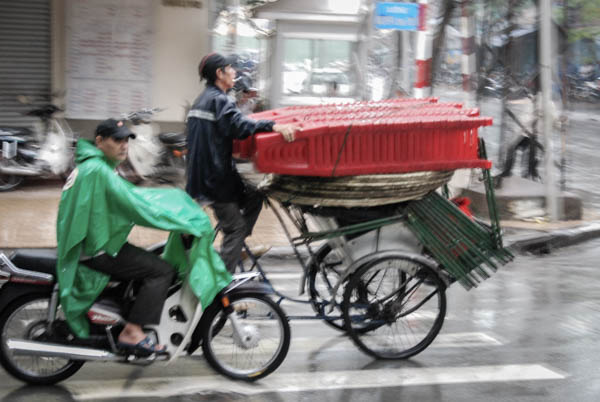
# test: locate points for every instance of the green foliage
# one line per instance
(584, 18)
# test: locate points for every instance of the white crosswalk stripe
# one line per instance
(296, 382)
(344, 344)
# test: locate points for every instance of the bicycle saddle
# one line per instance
(173, 138)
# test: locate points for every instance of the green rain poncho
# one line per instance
(97, 211)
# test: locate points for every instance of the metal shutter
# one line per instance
(24, 58)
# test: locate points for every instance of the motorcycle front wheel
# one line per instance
(253, 350)
(26, 319)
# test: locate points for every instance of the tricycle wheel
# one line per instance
(394, 307)
(323, 273)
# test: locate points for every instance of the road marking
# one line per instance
(315, 381)
(344, 344)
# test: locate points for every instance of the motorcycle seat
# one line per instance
(178, 139)
(36, 259)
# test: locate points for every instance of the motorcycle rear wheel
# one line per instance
(267, 333)
(26, 319)
(9, 181)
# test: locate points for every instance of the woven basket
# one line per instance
(354, 191)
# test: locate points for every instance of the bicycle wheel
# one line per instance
(323, 273)
(26, 319)
(258, 350)
(394, 307)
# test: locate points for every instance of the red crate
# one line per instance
(370, 138)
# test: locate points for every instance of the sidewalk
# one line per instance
(28, 220)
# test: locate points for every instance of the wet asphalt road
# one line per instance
(530, 333)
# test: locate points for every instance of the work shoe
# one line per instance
(256, 251)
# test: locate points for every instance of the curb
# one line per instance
(545, 243)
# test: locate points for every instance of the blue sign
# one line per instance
(399, 16)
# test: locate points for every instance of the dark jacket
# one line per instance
(212, 124)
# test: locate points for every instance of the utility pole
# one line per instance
(406, 61)
(363, 59)
(545, 39)
(506, 82)
(233, 9)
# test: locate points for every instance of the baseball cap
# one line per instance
(114, 128)
(212, 62)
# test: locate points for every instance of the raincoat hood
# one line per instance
(96, 213)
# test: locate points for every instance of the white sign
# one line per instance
(109, 57)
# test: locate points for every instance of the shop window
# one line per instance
(319, 67)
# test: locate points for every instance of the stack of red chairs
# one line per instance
(390, 136)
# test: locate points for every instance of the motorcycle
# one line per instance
(156, 157)
(586, 89)
(26, 155)
(243, 334)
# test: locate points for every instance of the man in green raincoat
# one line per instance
(97, 211)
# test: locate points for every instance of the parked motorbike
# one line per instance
(25, 154)
(154, 156)
(586, 89)
(244, 334)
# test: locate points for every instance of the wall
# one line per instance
(181, 38)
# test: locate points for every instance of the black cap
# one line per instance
(115, 129)
(212, 62)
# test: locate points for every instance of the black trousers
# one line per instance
(237, 220)
(134, 263)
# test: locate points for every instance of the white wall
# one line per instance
(181, 38)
